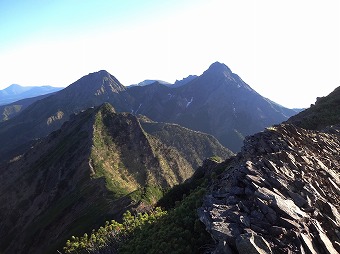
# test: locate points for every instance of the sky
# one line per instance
(288, 51)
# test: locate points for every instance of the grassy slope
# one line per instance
(177, 231)
(193, 145)
(326, 111)
(93, 169)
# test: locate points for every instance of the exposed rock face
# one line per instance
(280, 194)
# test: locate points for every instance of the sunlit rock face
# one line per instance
(280, 194)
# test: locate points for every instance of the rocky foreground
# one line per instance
(280, 194)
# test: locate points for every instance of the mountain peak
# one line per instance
(218, 67)
(15, 89)
(99, 82)
(100, 75)
(101, 72)
(106, 108)
(13, 86)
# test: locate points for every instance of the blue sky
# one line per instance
(288, 51)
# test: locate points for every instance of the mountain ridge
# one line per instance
(46, 115)
(217, 102)
(17, 92)
(279, 194)
(325, 112)
(9, 111)
(97, 165)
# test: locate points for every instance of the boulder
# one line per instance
(251, 243)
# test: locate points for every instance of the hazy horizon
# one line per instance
(287, 51)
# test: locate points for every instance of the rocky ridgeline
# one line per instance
(280, 194)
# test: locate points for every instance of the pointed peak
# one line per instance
(13, 86)
(100, 74)
(217, 66)
(106, 108)
(98, 82)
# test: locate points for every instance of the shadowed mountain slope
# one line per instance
(9, 111)
(47, 115)
(218, 102)
(96, 166)
(279, 194)
(325, 112)
(192, 144)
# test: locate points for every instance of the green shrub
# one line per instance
(112, 234)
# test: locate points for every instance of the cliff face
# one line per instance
(280, 194)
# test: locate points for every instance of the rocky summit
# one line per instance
(280, 194)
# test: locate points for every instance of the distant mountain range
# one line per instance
(16, 92)
(150, 81)
(177, 83)
(76, 158)
(10, 110)
(217, 102)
